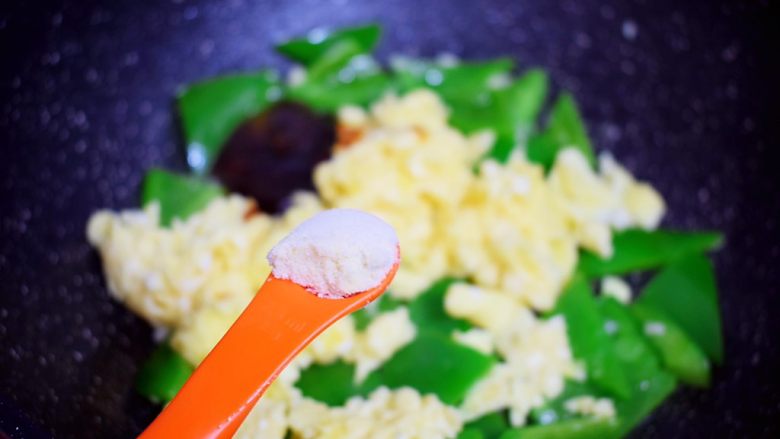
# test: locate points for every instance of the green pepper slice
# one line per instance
(333, 60)
(589, 342)
(565, 128)
(686, 292)
(312, 48)
(490, 426)
(163, 374)
(211, 110)
(650, 384)
(463, 82)
(678, 352)
(428, 313)
(554, 410)
(179, 195)
(331, 383)
(636, 250)
(510, 112)
(328, 95)
(575, 428)
(433, 363)
(470, 433)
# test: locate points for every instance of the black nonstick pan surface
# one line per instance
(681, 92)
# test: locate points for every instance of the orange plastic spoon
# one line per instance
(279, 322)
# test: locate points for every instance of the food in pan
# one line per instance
(509, 223)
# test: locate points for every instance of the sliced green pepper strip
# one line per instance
(179, 195)
(636, 250)
(575, 428)
(589, 342)
(470, 433)
(163, 374)
(524, 98)
(520, 104)
(466, 89)
(510, 112)
(333, 60)
(490, 426)
(629, 343)
(433, 363)
(459, 83)
(327, 96)
(565, 128)
(650, 394)
(210, 111)
(310, 49)
(678, 352)
(686, 292)
(468, 80)
(331, 383)
(650, 385)
(555, 411)
(428, 313)
(477, 103)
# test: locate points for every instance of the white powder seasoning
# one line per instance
(337, 253)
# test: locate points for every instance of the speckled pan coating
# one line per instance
(681, 92)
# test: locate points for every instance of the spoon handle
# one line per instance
(278, 323)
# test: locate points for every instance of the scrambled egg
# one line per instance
(592, 203)
(600, 408)
(385, 335)
(385, 414)
(367, 349)
(617, 288)
(536, 353)
(270, 419)
(507, 227)
(197, 276)
(405, 166)
(477, 339)
(510, 229)
(391, 414)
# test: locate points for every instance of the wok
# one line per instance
(679, 91)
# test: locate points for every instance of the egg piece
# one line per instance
(488, 309)
(384, 414)
(477, 339)
(195, 338)
(196, 276)
(599, 408)
(385, 335)
(617, 288)
(537, 361)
